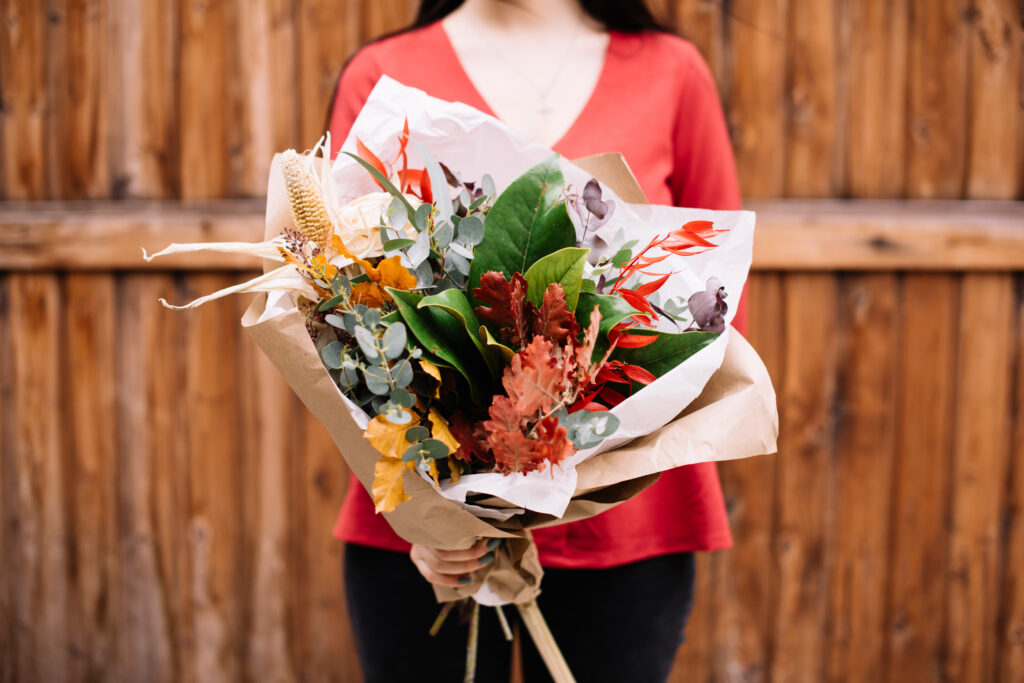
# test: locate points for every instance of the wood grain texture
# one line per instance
(38, 535)
(995, 56)
(859, 569)
(876, 120)
(23, 115)
(384, 16)
(88, 366)
(8, 492)
(811, 99)
(806, 475)
(329, 34)
(704, 23)
(981, 455)
(1011, 614)
(921, 496)
(756, 99)
(937, 135)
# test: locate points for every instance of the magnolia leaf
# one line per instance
(564, 267)
(494, 345)
(527, 222)
(454, 301)
(388, 489)
(665, 352)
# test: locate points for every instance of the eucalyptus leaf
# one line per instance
(443, 234)
(438, 182)
(417, 433)
(331, 355)
(396, 244)
(424, 274)
(588, 286)
(420, 249)
(348, 377)
(398, 215)
(394, 341)
(471, 230)
(587, 429)
(396, 415)
(335, 321)
(487, 184)
(377, 380)
(621, 257)
(453, 261)
(367, 343)
(421, 219)
(402, 398)
(371, 317)
(402, 373)
(460, 250)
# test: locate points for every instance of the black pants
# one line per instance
(618, 624)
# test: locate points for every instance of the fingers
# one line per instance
(452, 567)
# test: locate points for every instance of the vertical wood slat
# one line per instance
(937, 110)
(865, 447)
(8, 482)
(23, 114)
(757, 40)
(876, 147)
(329, 34)
(90, 444)
(204, 99)
(920, 504)
(805, 478)
(703, 23)
(811, 92)
(214, 516)
(742, 597)
(143, 98)
(77, 149)
(384, 16)
(1011, 617)
(267, 448)
(981, 456)
(995, 55)
(154, 638)
(38, 552)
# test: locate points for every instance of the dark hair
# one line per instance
(627, 16)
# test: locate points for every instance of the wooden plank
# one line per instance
(743, 592)
(870, 315)
(981, 455)
(876, 128)
(790, 235)
(206, 101)
(927, 348)
(811, 93)
(385, 16)
(8, 494)
(38, 536)
(329, 34)
(756, 101)
(23, 51)
(704, 23)
(936, 162)
(154, 638)
(995, 54)
(269, 442)
(90, 448)
(320, 481)
(1011, 616)
(77, 149)
(142, 64)
(807, 395)
(214, 514)
(266, 63)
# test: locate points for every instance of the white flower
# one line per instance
(359, 222)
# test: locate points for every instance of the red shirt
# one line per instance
(656, 103)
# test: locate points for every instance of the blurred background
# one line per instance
(167, 504)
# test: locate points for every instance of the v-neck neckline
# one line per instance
(484, 105)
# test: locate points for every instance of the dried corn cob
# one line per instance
(307, 204)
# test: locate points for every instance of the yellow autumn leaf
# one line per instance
(387, 437)
(391, 273)
(388, 490)
(456, 468)
(441, 432)
(434, 473)
(369, 294)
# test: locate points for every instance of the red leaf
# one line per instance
(506, 302)
(371, 158)
(636, 300)
(638, 374)
(514, 452)
(635, 341)
(552, 444)
(611, 397)
(649, 288)
(463, 431)
(533, 379)
(554, 320)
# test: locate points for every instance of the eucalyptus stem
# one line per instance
(441, 616)
(504, 623)
(471, 644)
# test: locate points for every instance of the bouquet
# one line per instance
(493, 321)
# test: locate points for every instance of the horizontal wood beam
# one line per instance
(861, 235)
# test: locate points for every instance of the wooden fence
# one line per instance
(166, 504)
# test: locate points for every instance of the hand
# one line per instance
(452, 567)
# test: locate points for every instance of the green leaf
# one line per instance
(376, 380)
(396, 244)
(331, 355)
(394, 341)
(441, 335)
(454, 301)
(587, 429)
(668, 351)
(564, 267)
(417, 434)
(621, 258)
(402, 398)
(495, 346)
(613, 311)
(367, 343)
(588, 286)
(385, 183)
(471, 230)
(526, 223)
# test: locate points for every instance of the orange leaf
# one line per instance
(533, 379)
(388, 489)
(369, 157)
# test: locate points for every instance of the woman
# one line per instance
(584, 77)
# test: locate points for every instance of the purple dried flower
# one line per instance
(708, 308)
